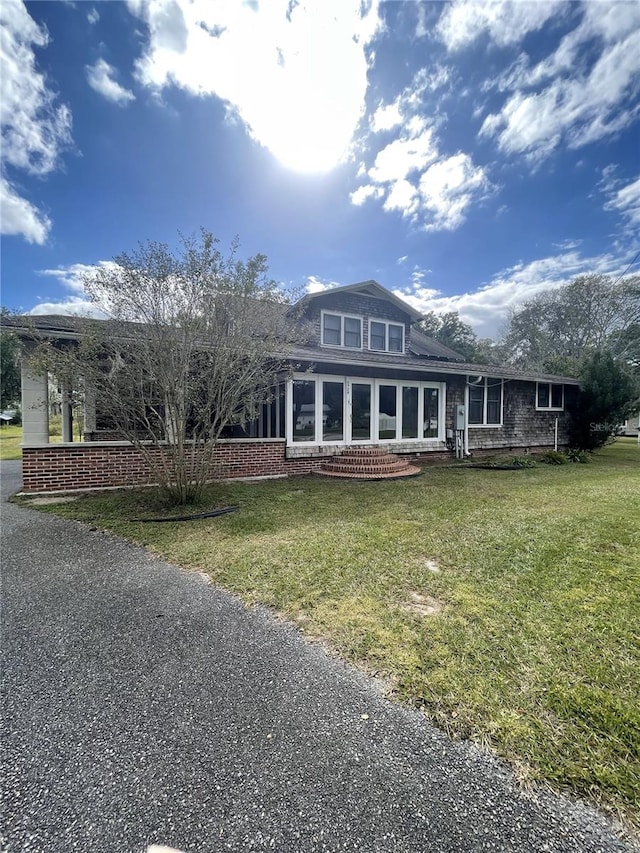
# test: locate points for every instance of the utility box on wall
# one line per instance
(459, 417)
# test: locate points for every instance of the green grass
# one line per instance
(11, 438)
(535, 652)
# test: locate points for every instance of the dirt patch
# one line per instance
(422, 605)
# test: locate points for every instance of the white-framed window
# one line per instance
(385, 336)
(549, 397)
(341, 330)
(485, 401)
(328, 409)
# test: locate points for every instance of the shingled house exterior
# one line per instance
(365, 378)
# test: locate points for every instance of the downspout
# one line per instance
(465, 448)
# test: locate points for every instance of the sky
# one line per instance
(465, 155)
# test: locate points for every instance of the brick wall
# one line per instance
(61, 467)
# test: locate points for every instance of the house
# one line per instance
(365, 378)
(631, 427)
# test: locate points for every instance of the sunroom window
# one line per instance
(331, 409)
(550, 396)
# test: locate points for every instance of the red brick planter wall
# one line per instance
(74, 467)
(61, 467)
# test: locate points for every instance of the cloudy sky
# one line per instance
(466, 155)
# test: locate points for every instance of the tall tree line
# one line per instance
(589, 329)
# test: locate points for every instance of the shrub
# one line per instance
(575, 454)
(553, 457)
(522, 462)
(55, 425)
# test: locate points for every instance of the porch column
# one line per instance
(35, 402)
(67, 414)
(89, 408)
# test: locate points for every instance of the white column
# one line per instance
(67, 414)
(35, 403)
(89, 408)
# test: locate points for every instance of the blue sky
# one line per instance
(465, 155)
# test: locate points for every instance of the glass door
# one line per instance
(360, 397)
(387, 412)
(332, 410)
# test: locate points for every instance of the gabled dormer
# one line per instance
(362, 316)
(367, 318)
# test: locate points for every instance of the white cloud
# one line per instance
(73, 306)
(410, 174)
(295, 73)
(507, 23)
(34, 127)
(386, 118)
(316, 285)
(20, 217)
(626, 200)
(448, 188)
(402, 196)
(487, 309)
(93, 17)
(413, 178)
(359, 196)
(574, 101)
(403, 156)
(101, 79)
(73, 277)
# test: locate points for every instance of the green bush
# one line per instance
(575, 454)
(553, 457)
(55, 425)
(522, 462)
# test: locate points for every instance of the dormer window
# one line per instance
(386, 337)
(340, 330)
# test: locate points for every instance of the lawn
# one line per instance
(11, 438)
(504, 604)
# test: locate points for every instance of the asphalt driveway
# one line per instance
(141, 705)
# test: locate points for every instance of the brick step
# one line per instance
(364, 451)
(367, 463)
(386, 459)
(364, 469)
(373, 458)
(409, 471)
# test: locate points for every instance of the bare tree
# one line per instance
(193, 342)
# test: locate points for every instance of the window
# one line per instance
(326, 409)
(485, 401)
(431, 423)
(549, 396)
(386, 337)
(341, 331)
